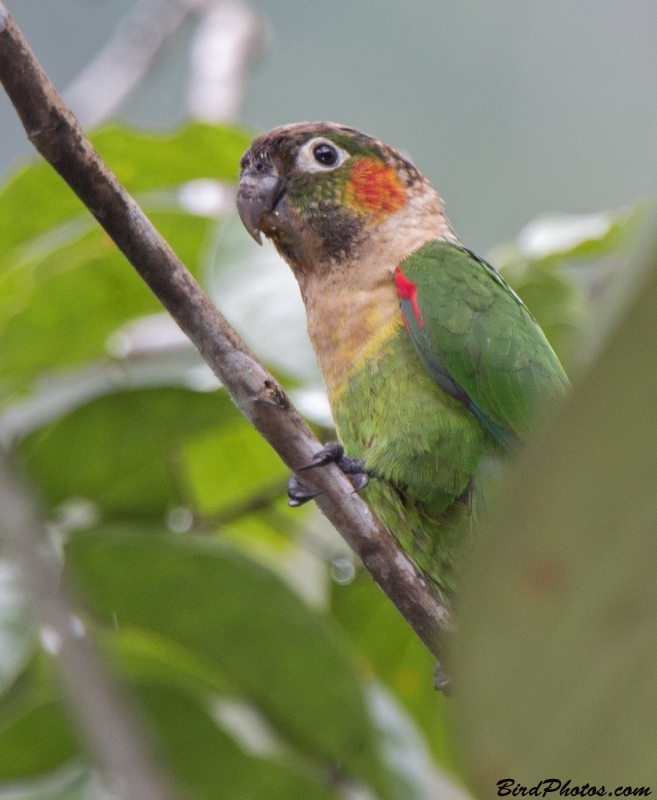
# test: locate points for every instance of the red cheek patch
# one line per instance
(407, 290)
(376, 186)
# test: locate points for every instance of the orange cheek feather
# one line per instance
(376, 187)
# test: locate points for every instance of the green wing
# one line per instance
(477, 339)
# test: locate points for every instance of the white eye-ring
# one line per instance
(320, 155)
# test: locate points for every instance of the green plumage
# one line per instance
(421, 438)
(420, 447)
(431, 362)
(481, 333)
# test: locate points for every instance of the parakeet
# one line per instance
(431, 362)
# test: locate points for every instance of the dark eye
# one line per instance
(325, 154)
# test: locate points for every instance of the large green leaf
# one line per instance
(72, 782)
(210, 764)
(36, 742)
(59, 307)
(556, 652)
(244, 621)
(563, 268)
(16, 626)
(196, 753)
(124, 451)
(149, 658)
(145, 160)
(63, 284)
(36, 198)
(395, 655)
(227, 467)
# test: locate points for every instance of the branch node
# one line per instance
(274, 395)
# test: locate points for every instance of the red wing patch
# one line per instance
(407, 290)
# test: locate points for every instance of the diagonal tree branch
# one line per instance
(55, 133)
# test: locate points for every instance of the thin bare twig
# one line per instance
(103, 85)
(228, 35)
(54, 132)
(109, 731)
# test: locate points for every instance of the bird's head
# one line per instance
(321, 191)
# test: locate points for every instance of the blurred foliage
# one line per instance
(555, 658)
(267, 664)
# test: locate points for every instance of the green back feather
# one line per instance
(474, 328)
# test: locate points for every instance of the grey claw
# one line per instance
(358, 481)
(331, 453)
(298, 494)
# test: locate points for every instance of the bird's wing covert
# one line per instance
(477, 339)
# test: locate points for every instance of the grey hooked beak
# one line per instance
(258, 192)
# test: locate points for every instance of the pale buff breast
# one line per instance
(352, 307)
(348, 327)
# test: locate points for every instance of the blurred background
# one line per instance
(513, 109)
(262, 660)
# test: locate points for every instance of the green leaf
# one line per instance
(227, 467)
(148, 658)
(63, 284)
(402, 746)
(33, 686)
(556, 652)
(16, 627)
(123, 451)
(210, 764)
(396, 656)
(172, 684)
(59, 308)
(558, 304)
(199, 755)
(144, 160)
(36, 742)
(71, 782)
(563, 238)
(32, 201)
(36, 198)
(244, 621)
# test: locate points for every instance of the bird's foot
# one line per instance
(298, 493)
(331, 453)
